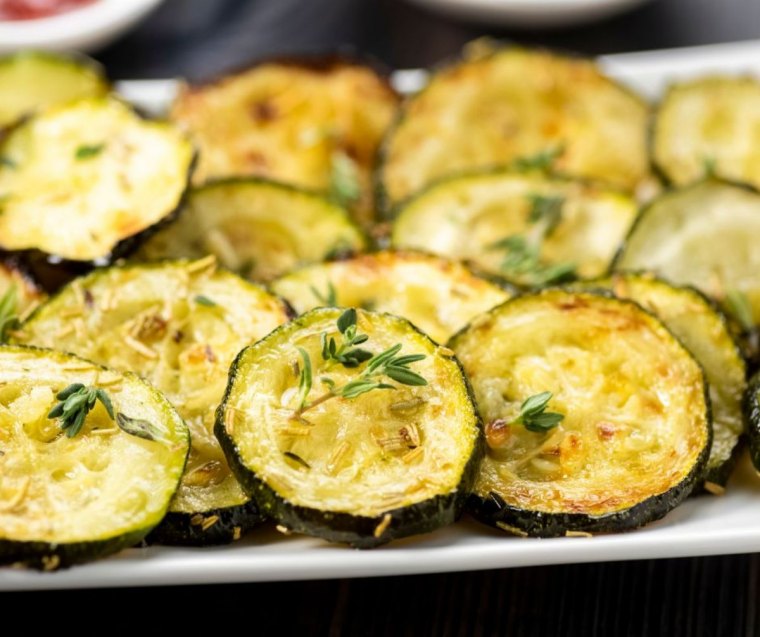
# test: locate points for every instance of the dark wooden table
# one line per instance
(688, 597)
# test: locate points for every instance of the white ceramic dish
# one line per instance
(530, 14)
(707, 525)
(85, 29)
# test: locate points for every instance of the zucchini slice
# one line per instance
(259, 229)
(702, 235)
(704, 331)
(709, 125)
(362, 469)
(438, 296)
(178, 324)
(83, 181)
(511, 104)
(752, 416)
(66, 500)
(32, 80)
(315, 123)
(633, 431)
(528, 229)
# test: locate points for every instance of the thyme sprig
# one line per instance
(329, 298)
(87, 151)
(389, 364)
(533, 415)
(75, 402)
(543, 160)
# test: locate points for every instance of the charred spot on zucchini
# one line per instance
(179, 324)
(703, 329)
(513, 103)
(529, 229)
(300, 424)
(259, 229)
(312, 123)
(702, 235)
(88, 179)
(437, 295)
(33, 80)
(66, 499)
(707, 127)
(752, 418)
(635, 432)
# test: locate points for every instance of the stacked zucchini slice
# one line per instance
(516, 337)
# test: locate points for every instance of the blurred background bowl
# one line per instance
(85, 29)
(529, 14)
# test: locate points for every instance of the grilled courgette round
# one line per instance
(703, 329)
(315, 123)
(752, 416)
(509, 104)
(66, 499)
(326, 454)
(178, 324)
(257, 228)
(438, 296)
(702, 235)
(31, 80)
(528, 229)
(709, 125)
(85, 180)
(628, 433)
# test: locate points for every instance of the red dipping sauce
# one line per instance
(33, 9)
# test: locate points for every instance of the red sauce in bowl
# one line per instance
(33, 9)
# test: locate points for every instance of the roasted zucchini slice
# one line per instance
(178, 324)
(83, 181)
(628, 433)
(69, 496)
(259, 229)
(752, 416)
(509, 104)
(438, 296)
(31, 80)
(352, 447)
(529, 229)
(709, 125)
(703, 329)
(315, 123)
(702, 235)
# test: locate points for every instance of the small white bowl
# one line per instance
(530, 14)
(84, 29)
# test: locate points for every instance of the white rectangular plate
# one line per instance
(706, 525)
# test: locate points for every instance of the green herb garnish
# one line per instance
(138, 427)
(388, 364)
(88, 151)
(543, 160)
(329, 298)
(8, 312)
(200, 299)
(737, 304)
(547, 211)
(75, 402)
(344, 179)
(533, 415)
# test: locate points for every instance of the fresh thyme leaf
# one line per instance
(200, 299)
(138, 427)
(75, 402)
(737, 304)
(546, 210)
(88, 151)
(346, 320)
(8, 312)
(305, 378)
(296, 458)
(523, 262)
(543, 160)
(404, 376)
(344, 179)
(533, 415)
(556, 273)
(329, 299)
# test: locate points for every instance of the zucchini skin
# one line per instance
(355, 530)
(752, 419)
(494, 511)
